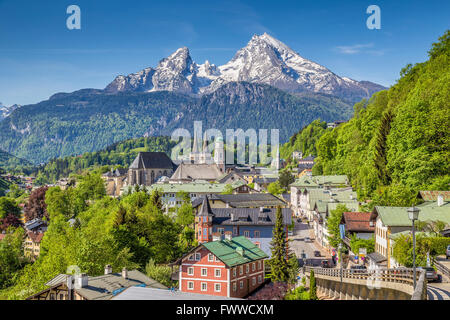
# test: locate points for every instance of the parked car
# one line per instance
(307, 239)
(447, 253)
(325, 264)
(431, 274)
(317, 253)
(358, 269)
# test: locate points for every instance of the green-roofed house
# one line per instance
(195, 190)
(228, 267)
(392, 220)
(302, 202)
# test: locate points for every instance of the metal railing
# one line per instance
(441, 268)
(401, 275)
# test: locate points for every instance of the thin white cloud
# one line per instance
(353, 49)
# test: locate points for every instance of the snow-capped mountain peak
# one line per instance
(264, 60)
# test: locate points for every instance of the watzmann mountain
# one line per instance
(265, 60)
(265, 86)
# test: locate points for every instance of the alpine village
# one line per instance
(354, 206)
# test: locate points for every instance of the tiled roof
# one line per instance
(191, 171)
(152, 160)
(358, 222)
(433, 195)
(249, 216)
(35, 236)
(377, 257)
(398, 216)
(245, 200)
(227, 251)
(104, 287)
(139, 293)
(193, 187)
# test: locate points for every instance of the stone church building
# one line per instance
(148, 167)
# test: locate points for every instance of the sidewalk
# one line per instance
(323, 251)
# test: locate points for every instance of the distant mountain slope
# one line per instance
(85, 121)
(89, 120)
(11, 163)
(264, 60)
(247, 105)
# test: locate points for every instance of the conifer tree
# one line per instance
(279, 262)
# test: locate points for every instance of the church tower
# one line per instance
(219, 154)
(204, 222)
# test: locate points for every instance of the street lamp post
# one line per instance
(413, 214)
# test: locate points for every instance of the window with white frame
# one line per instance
(234, 272)
(217, 287)
(241, 284)
(253, 281)
(204, 272)
(259, 279)
(221, 230)
(253, 266)
(234, 286)
(247, 234)
(210, 257)
(190, 285)
(191, 257)
(204, 286)
(257, 234)
(241, 270)
(197, 256)
(259, 264)
(218, 273)
(190, 271)
(247, 268)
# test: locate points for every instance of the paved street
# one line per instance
(298, 245)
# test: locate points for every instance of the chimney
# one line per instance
(228, 235)
(125, 273)
(216, 236)
(233, 217)
(261, 209)
(440, 200)
(240, 250)
(108, 269)
(82, 280)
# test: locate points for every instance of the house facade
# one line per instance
(227, 267)
(255, 224)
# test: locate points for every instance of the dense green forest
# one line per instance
(305, 140)
(132, 232)
(13, 164)
(119, 154)
(398, 142)
(90, 120)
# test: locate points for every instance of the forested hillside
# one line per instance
(398, 142)
(305, 140)
(13, 164)
(118, 154)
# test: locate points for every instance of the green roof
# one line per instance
(193, 187)
(227, 251)
(398, 216)
(316, 181)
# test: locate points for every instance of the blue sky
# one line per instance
(39, 56)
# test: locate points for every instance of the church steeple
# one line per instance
(204, 221)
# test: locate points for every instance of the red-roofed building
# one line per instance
(359, 223)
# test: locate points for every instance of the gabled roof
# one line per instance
(227, 251)
(152, 160)
(398, 216)
(357, 222)
(433, 195)
(106, 286)
(193, 171)
(205, 210)
(249, 216)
